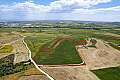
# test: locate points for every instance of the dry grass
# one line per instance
(32, 71)
(16, 76)
(6, 49)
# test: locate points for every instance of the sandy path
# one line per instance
(51, 78)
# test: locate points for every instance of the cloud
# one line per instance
(55, 5)
(97, 11)
(59, 4)
(59, 9)
(24, 6)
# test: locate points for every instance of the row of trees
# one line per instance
(7, 66)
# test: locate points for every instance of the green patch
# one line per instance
(35, 42)
(0, 35)
(114, 46)
(108, 73)
(93, 46)
(79, 36)
(6, 49)
(117, 42)
(64, 53)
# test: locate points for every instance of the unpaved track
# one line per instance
(103, 57)
(36, 64)
(65, 73)
(60, 73)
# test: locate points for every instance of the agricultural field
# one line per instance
(64, 53)
(108, 73)
(59, 39)
(53, 48)
(34, 42)
(31, 73)
(47, 48)
(7, 37)
(6, 48)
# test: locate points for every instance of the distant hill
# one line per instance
(60, 23)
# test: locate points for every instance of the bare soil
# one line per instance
(8, 37)
(70, 73)
(34, 77)
(103, 56)
(21, 52)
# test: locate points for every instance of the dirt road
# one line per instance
(65, 73)
(51, 78)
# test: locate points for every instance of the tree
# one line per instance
(93, 41)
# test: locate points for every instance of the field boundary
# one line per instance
(60, 65)
(51, 78)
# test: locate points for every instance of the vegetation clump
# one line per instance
(7, 67)
(108, 73)
(6, 49)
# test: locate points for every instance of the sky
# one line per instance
(83, 10)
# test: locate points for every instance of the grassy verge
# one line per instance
(92, 46)
(108, 73)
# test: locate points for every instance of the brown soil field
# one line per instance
(101, 57)
(70, 73)
(34, 77)
(8, 37)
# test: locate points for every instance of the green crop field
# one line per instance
(6, 49)
(64, 53)
(108, 73)
(35, 41)
(117, 42)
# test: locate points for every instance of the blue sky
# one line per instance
(44, 2)
(84, 10)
